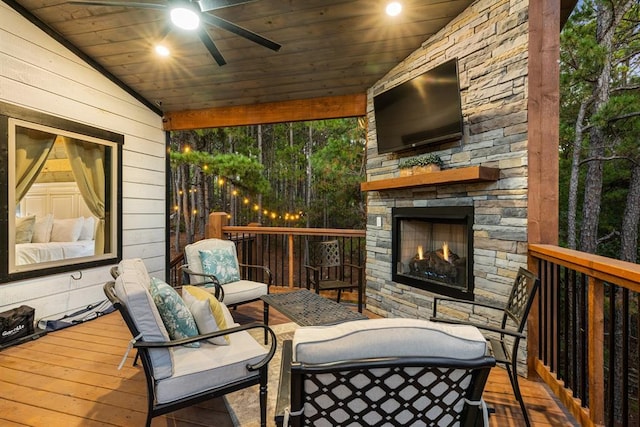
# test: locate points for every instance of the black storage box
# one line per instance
(15, 324)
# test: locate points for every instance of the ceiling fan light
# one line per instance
(184, 18)
(394, 8)
(162, 50)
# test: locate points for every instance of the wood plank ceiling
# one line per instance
(330, 48)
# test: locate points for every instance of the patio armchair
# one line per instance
(178, 376)
(213, 264)
(327, 271)
(384, 372)
(505, 340)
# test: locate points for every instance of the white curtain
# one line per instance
(88, 165)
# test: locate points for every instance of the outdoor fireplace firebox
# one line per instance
(432, 249)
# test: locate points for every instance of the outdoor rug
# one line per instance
(244, 405)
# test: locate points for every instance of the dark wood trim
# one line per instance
(448, 176)
(331, 107)
(45, 119)
(88, 59)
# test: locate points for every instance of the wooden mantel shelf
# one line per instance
(448, 176)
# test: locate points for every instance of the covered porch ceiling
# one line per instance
(332, 52)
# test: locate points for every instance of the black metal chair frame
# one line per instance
(517, 310)
(322, 256)
(476, 370)
(154, 409)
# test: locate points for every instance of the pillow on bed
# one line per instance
(24, 228)
(66, 230)
(88, 229)
(42, 229)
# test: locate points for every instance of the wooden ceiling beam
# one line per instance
(330, 107)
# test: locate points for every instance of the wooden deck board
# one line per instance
(69, 378)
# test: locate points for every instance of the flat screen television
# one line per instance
(422, 111)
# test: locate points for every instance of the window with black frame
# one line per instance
(60, 195)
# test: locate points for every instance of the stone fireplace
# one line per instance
(484, 179)
(432, 249)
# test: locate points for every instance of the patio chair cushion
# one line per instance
(243, 290)
(174, 312)
(222, 263)
(201, 369)
(202, 314)
(375, 338)
(136, 297)
(136, 265)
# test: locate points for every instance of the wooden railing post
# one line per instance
(290, 239)
(596, 350)
(217, 220)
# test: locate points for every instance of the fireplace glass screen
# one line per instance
(432, 249)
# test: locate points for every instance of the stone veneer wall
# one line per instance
(490, 40)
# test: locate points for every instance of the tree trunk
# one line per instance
(630, 219)
(593, 184)
(185, 203)
(260, 156)
(308, 194)
(572, 205)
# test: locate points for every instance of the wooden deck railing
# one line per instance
(583, 334)
(282, 249)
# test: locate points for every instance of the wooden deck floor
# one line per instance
(69, 378)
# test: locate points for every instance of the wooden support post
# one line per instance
(596, 350)
(543, 138)
(290, 239)
(217, 220)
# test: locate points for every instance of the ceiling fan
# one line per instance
(188, 14)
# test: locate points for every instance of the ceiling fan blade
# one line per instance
(211, 46)
(120, 4)
(207, 5)
(242, 32)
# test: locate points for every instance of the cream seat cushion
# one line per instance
(199, 369)
(242, 290)
(398, 337)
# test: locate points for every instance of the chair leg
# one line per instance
(513, 377)
(265, 314)
(339, 292)
(263, 397)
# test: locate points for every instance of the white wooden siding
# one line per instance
(37, 73)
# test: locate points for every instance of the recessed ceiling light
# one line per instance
(394, 8)
(162, 50)
(185, 18)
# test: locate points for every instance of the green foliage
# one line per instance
(238, 168)
(582, 60)
(268, 181)
(338, 170)
(423, 160)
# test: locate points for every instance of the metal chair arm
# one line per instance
(510, 332)
(229, 331)
(261, 267)
(461, 301)
(212, 280)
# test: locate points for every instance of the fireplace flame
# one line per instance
(420, 252)
(445, 251)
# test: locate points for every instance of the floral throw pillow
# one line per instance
(174, 312)
(222, 263)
